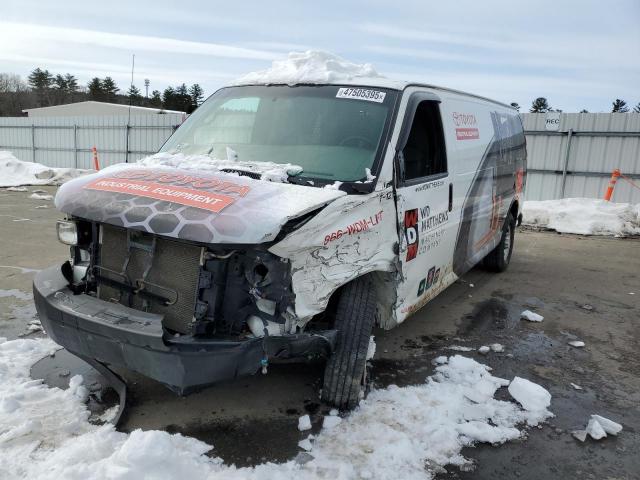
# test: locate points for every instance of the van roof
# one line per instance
(383, 82)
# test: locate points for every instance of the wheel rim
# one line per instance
(507, 243)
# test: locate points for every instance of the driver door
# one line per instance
(424, 204)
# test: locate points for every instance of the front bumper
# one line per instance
(119, 336)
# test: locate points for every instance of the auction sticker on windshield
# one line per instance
(361, 94)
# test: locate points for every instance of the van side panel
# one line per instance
(495, 185)
(487, 160)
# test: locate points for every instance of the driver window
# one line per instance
(425, 154)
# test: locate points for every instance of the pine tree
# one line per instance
(110, 89)
(540, 105)
(135, 98)
(60, 83)
(40, 82)
(40, 79)
(156, 99)
(183, 100)
(584, 110)
(197, 95)
(515, 105)
(619, 106)
(59, 87)
(168, 98)
(95, 90)
(72, 83)
(637, 108)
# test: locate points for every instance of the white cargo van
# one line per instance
(284, 221)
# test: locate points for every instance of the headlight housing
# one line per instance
(67, 232)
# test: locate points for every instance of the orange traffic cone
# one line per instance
(612, 184)
(96, 162)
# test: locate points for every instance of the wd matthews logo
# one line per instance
(411, 232)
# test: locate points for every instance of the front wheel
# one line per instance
(345, 372)
(498, 259)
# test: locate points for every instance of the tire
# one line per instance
(345, 371)
(498, 259)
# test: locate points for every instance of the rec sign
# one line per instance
(552, 121)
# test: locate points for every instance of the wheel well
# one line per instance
(384, 285)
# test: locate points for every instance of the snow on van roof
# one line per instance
(317, 67)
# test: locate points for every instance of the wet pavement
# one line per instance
(580, 285)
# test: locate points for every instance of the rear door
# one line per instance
(424, 204)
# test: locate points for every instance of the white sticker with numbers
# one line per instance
(361, 94)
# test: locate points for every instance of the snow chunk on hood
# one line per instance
(312, 66)
(272, 172)
(14, 172)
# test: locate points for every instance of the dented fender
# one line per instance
(352, 236)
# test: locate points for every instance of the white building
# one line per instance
(91, 108)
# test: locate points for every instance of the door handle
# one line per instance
(450, 196)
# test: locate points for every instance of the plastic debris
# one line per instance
(497, 347)
(576, 343)
(484, 350)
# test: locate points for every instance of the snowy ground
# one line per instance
(14, 172)
(258, 417)
(45, 433)
(583, 216)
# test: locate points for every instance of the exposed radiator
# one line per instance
(173, 274)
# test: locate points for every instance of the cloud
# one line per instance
(13, 34)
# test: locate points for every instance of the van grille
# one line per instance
(173, 274)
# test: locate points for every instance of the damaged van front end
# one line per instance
(146, 288)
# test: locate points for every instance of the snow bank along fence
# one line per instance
(68, 141)
(574, 154)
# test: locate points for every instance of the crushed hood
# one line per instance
(211, 207)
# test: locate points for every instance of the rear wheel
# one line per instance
(345, 372)
(498, 259)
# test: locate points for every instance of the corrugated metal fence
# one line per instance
(577, 159)
(67, 141)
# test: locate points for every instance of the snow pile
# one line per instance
(14, 172)
(583, 216)
(408, 432)
(40, 196)
(309, 67)
(273, 172)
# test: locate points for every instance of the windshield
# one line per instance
(332, 132)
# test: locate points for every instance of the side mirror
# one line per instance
(398, 167)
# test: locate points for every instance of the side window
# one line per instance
(425, 153)
(232, 123)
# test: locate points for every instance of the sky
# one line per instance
(577, 54)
